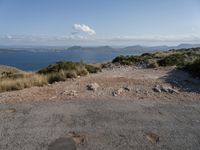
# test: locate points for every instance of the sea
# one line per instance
(33, 61)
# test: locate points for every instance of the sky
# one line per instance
(99, 22)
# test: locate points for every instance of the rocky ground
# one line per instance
(121, 108)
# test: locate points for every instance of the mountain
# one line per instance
(140, 48)
(187, 46)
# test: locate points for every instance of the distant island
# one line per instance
(138, 48)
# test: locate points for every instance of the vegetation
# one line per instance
(14, 79)
(179, 59)
(64, 69)
(188, 59)
(169, 58)
(194, 68)
(132, 60)
(6, 70)
(23, 81)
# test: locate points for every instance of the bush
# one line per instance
(92, 68)
(56, 77)
(172, 60)
(179, 59)
(70, 74)
(81, 71)
(194, 68)
(131, 60)
(71, 69)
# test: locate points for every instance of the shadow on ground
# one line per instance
(182, 80)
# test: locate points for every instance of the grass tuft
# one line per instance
(28, 80)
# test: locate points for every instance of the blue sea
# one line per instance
(33, 61)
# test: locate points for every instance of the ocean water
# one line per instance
(33, 61)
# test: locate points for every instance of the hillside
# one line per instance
(8, 69)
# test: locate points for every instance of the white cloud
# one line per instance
(84, 28)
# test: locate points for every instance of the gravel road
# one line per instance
(104, 124)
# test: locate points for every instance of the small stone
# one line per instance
(154, 138)
(157, 89)
(52, 97)
(78, 139)
(137, 90)
(11, 110)
(93, 86)
(114, 94)
(70, 93)
(169, 90)
(117, 92)
(147, 93)
(127, 89)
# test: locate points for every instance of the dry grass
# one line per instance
(25, 81)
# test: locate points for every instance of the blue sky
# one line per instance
(99, 22)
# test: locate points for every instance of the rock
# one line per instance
(147, 93)
(117, 92)
(168, 90)
(114, 93)
(63, 144)
(164, 89)
(93, 86)
(171, 90)
(70, 93)
(127, 89)
(137, 91)
(154, 138)
(54, 97)
(78, 139)
(11, 110)
(157, 89)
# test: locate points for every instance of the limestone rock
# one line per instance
(92, 86)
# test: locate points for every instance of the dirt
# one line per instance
(101, 121)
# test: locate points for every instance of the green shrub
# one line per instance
(70, 74)
(130, 60)
(92, 68)
(70, 69)
(194, 68)
(81, 71)
(179, 59)
(56, 77)
(62, 65)
(172, 60)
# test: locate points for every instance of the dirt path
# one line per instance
(34, 118)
